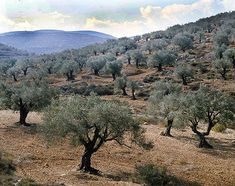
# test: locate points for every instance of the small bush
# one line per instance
(219, 128)
(86, 90)
(6, 166)
(152, 175)
(151, 78)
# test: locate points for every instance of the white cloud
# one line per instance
(151, 18)
(118, 29)
(229, 5)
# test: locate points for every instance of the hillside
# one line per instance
(181, 79)
(50, 41)
(7, 52)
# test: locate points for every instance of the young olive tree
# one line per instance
(184, 72)
(115, 68)
(229, 54)
(164, 103)
(160, 59)
(96, 63)
(222, 66)
(14, 72)
(90, 122)
(121, 83)
(48, 62)
(138, 56)
(26, 96)
(207, 106)
(128, 57)
(133, 85)
(183, 41)
(221, 38)
(219, 51)
(5, 65)
(69, 68)
(24, 65)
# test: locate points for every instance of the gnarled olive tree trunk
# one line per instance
(167, 132)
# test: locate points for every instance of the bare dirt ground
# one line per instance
(36, 160)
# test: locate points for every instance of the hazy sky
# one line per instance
(115, 17)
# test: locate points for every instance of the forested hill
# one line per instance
(49, 41)
(7, 52)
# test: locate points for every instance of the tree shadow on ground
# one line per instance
(221, 148)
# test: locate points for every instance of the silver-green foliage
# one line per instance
(90, 122)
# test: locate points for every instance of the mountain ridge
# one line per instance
(51, 41)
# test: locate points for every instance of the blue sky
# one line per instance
(115, 17)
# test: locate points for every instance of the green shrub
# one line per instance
(6, 165)
(151, 175)
(219, 128)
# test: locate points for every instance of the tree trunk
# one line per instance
(184, 79)
(167, 132)
(96, 72)
(203, 143)
(71, 76)
(233, 62)
(114, 76)
(129, 61)
(223, 74)
(124, 91)
(86, 162)
(133, 95)
(14, 77)
(137, 63)
(159, 68)
(23, 115)
(49, 71)
(25, 72)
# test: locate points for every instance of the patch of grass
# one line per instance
(6, 165)
(146, 120)
(151, 175)
(219, 128)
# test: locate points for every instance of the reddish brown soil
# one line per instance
(34, 159)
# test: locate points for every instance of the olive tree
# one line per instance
(126, 43)
(115, 68)
(207, 106)
(154, 45)
(48, 62)
(90, 122)
(96, 63)
(221, 38)
(5, 65)
(26, 96)
(138, 56)
(121, 83)
(69, 68)
(128, 57)
(133, 85)
(24, 65)
(164, 103)
(160, 59)
(222, 66)
(183, 41)
(219, 51)
(229, 54)
(184, 73)
(14, 72)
